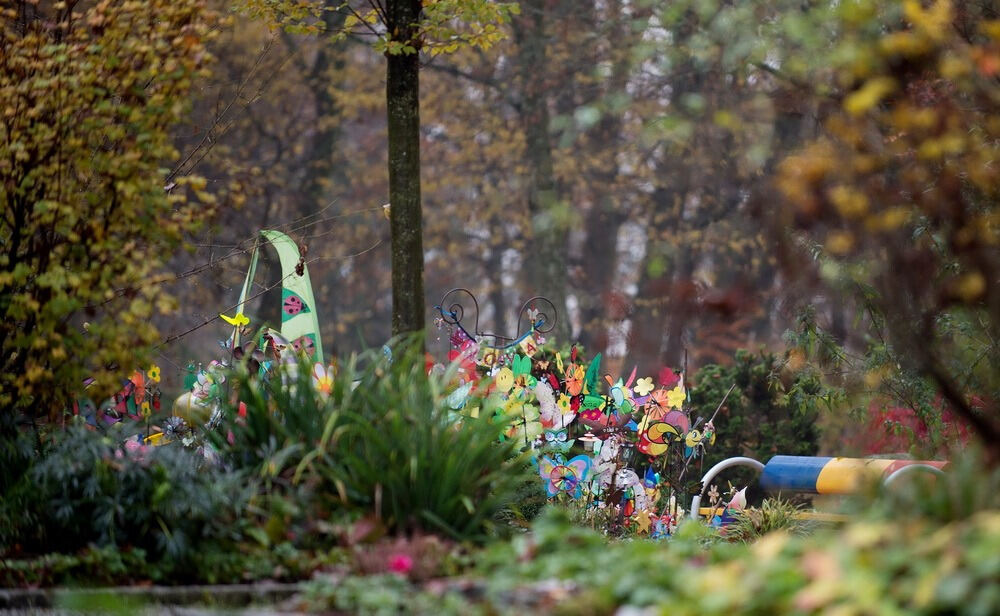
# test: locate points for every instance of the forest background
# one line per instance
(642, 127)
(681, 179)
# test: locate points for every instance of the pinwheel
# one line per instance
(567, 478)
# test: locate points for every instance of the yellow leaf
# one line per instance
(970, 287)
(840, 243)
(869, 95)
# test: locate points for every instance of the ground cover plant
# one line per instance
(878, 563)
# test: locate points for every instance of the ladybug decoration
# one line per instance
(292, 305)
(306, 344)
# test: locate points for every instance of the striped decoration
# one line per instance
(821, 475)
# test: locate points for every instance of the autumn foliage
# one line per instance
(90, 208)
(900, 192)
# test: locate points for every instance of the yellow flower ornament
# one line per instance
(676, 397)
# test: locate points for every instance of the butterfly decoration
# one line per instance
(575, 380)
(239, 320)
(565, 478)
(620, 395)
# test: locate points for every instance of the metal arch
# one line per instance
(905, 470)
(452, 312)
(715, 470)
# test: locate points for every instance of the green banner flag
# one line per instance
(299, 322)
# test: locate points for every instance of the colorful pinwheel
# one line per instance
(567, 478)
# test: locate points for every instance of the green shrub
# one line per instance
(86, 233)
(864, 567)
(87, 489)
(17, 454)
(770, 411)
(528, 500)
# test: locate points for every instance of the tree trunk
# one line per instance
(402, 89)
(603, 302)
(546, 268)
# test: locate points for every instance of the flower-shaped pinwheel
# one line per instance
(659, 399)
(565, 403)
(154, 373)
(713, 494)
(574, 379)
(643, 386)
(568, 478)
(676, 397)
(323, 378)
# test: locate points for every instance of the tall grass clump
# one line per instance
(773, 514)
(381, 444)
